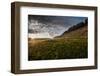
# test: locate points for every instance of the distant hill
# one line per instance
(79, 30)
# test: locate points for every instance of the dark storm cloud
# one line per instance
(54, 25)
(62, 20)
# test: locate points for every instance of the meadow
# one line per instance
(57, 48)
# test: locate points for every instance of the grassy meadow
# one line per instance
(57, 48)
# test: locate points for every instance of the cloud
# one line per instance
(51, 26)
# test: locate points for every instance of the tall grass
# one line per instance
(58, 48)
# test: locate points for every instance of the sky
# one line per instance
(43, 26)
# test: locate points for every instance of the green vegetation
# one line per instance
(57, 48)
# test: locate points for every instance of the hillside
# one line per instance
(79, 30)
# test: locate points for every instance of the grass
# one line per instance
(58, 48)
